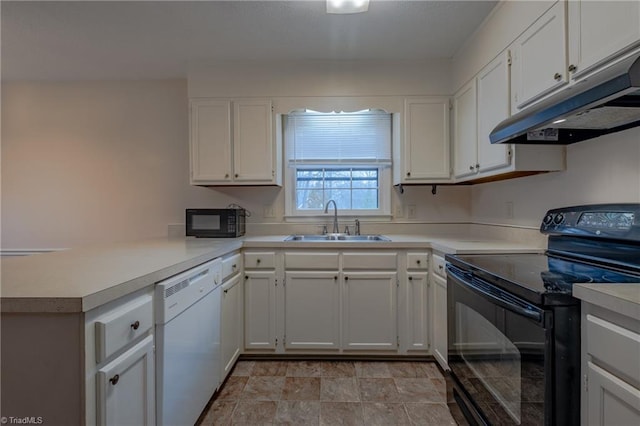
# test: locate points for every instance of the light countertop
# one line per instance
(621, 298)
(81, 279)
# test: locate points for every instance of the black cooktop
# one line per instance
(538, 278)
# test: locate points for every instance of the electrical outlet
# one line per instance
(412, 211)
(399, 212)
(269, 212)
(509, 209)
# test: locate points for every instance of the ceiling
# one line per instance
(89, 40)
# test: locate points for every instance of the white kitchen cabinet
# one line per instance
(232, 317)
(370, 311)
(126, 391)
(479, 107)
(424, 149)
(418, 304)
(539, 58)
(232, 143)
(120, 361)
(610, 367)
(312, 309)
(465, 131)
(260, 309)
(439, 305)
(493, 107)
(599, 31)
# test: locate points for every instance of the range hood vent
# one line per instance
(604, 103)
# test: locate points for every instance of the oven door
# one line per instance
(497, 352)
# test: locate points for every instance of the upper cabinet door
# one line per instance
(426, 140)
(599, 30)
(465, 130)
(210, 141)
(493, 107)
(253, 155)
(539, 58)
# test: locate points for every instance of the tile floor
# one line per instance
(331, 393)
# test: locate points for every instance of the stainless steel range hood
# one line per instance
(606, 102)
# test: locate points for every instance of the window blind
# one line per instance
(338, 138)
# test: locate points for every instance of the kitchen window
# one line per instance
(344, 157)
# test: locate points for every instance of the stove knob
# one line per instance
(558, 219)
(548, 219)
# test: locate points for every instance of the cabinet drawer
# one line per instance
(603, 335)
(370, 261)
(439, 266)
(231, 265)
(261, 260)
(122, 326)
(418, 261)
(312, 261)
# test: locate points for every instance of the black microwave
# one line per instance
(216, 223)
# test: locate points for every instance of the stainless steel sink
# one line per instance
(337, 237)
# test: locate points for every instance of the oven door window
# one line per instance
(499, 358)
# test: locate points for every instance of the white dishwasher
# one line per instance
(187, 343)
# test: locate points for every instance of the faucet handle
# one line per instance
(346, 230)
(324, 229)
(357, 227)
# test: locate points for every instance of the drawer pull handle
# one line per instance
(114, 379)
(135, 326)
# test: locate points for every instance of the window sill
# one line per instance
(329, 217)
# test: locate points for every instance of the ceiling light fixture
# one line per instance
(347, 6)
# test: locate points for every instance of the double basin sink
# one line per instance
(336, 237)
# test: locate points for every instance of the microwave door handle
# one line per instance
(520, 310)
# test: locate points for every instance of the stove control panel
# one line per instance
(598, 220)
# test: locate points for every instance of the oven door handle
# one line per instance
(497, 296)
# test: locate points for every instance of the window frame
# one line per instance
(384, 192)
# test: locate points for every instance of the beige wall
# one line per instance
(93, 162)
(602, 170)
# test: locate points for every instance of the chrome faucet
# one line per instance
(357, 227)
(335, 215)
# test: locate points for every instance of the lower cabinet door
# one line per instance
(312, 310)
(440, 321)
(126, 387)
(260, 310)
(370, 311)
(418, 326)
(231, 324)
(611, 400)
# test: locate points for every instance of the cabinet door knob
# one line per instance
(471, 167)
(226, 175)
(258, 261)
(246, 277)
(225, 291)
(440, 267)
(408, 173)
(234, 266)
(346, 278)
(557, 76)
(418, 261)
(572, 68)
(135, 325)
(335, 278)
(114, 379)
(477, 166)
(236, 175)
(410, 278)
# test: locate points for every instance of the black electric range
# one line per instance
(514, 326)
